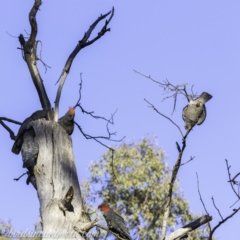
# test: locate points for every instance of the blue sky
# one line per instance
(194, 42)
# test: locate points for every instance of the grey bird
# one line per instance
(23, 128)
(30, 149)
(115, 222)
(195, 112)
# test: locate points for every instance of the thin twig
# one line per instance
(221, 222)
(152, 106)
(201, 195)
(12, 135)
(229, 176)
(187, 161)
(87, 136)
(233, 180)
(217, 208)
(16, 179)
(40, 58)
(169, 87)
(209, 225)
(80, 91)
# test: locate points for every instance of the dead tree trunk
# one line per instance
(55, 173)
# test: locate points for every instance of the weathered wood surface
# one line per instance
(55, 173)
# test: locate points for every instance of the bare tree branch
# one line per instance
(191, 158)
(17, 179)
(81, 44)
(230, 181)
(10, 120)
(233, 180)
(12, 135)
(78, 104)
(29, 50)
(221, 222)
(209, 225)
(40, 58)
(201, 196)
(153, 107)
(217, 208)
(95, 138)
(189, 227)
(171, 184)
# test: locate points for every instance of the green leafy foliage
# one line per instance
(134, 180)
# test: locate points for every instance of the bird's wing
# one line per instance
(30, 149)
(202, 116)
(39, 114)
(119, 224)
(184, 111)
(16, 148)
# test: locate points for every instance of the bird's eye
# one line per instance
(197, 105)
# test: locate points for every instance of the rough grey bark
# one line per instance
(55, 173)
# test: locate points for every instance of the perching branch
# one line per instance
(189, 227)
(12, 135)
(29, 51)
(171, 184)
(84, 42)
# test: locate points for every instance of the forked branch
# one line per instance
(84, 42)
(29, 53)
(221, 222)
